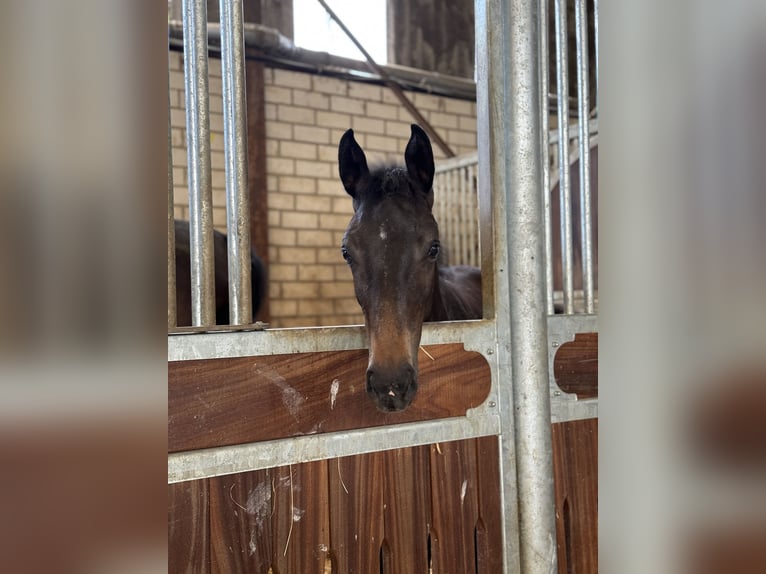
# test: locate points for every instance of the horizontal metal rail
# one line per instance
(220, 461)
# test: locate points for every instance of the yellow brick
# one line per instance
(368, 125)
(311, 134)
(295, 114)
(282, 308)
(383, 111)
(299, 290)
(292, 79)
(329, 85)
(298, 150)
(316, 307)
(313, 203)
(441, 120)
(280, 165)
(347, 105)
(281, 201)
(336, 290)
(278, 95)
(296, 255)
(315, 273)
(279, 130)
(333, 120)
(459, 107)
(314, 237)
(299, 220)
(314, 100)
(312, 169)
(281, 237)
(363, 91)
(297, 184)
(282, 272)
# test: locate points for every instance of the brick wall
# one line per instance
(309, 283)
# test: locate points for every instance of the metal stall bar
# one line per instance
(565, 195)
(545, 145)
(171, 233)
(492, 95)
(198, 151)
(235, 158)
(595, 41)
(583, 100)
(526, 277)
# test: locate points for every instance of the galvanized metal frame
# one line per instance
(199, 170)
(235, 159)
(517, 335)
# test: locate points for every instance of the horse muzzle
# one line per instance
(392, 389)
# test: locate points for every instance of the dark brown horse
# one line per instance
(220, 254)
(392, 246)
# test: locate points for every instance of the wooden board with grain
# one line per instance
(575, 469)
(218, 402)
(575, 366)
(353, 515)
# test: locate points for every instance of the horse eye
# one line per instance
(433, 252)
(346, 255)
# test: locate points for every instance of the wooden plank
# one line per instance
(575, 366)
(220, 402)
(406, 510)
(454, 491)
(575, 469)
(301, 518)
(356, 513)
(240, 522)
(489, 536)
(188, 527)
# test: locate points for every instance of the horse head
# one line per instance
(392, 247)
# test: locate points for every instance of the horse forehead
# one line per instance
(395, 217)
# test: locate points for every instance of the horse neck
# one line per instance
(438, 310)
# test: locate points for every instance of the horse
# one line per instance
(220, 254)
(392, 247)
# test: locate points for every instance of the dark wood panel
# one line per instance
(361, 514)
(406, 510)
(575, 469)
(356, 513)
(301, 522)
(220, 402)
(489, 536)
(454, 485)
(188, 527)
(575, 366)
(240, 522)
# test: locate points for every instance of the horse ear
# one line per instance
(352, 164)
(419, 158)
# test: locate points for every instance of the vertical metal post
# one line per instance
(492, 96)
(526, 277)
(595, 41)
(565, 195)
(545, 145)
(510, 176)
(198, 150)
(235, 157)
(172, 321)
(583, 100)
